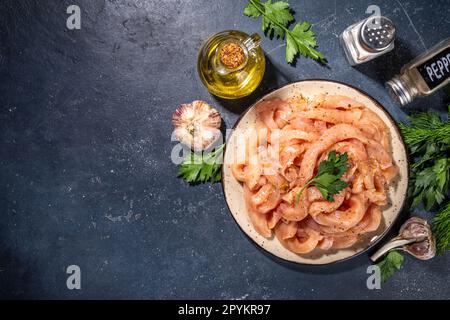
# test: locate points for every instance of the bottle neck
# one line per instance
(401, 89)
(252, 42)
(232, 55)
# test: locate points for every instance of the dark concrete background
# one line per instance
(86, 176)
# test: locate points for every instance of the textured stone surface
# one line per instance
(85, 147)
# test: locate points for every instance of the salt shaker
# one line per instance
(368, 39)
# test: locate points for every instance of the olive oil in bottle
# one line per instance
(231, 64)
(422, 76)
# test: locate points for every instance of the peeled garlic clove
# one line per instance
(197, 125)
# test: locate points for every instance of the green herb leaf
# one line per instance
(430, 184)
(335, 164)
(276, 17)
(426, 128)
(254, 9)
(391, 263)
(327, 179)
(330, 187)
(302, 40)
(428, 139)
(202, 167)
(441, 229)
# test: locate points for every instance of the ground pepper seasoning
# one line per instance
(232, 55)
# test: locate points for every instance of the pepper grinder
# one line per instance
(368, 39)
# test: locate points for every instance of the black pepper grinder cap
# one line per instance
(377, 33)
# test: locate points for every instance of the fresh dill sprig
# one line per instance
(426, 128)
(441, 229)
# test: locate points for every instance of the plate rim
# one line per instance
(402, 206)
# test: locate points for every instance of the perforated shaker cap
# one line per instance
(377, 33)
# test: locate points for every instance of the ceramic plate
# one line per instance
(397, 191)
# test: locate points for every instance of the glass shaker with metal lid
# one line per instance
(368, 39)
(422, 76)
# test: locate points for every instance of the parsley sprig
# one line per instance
(390, 264)
(431, 183)
(202, 167)
(276, 16)
(328, 176)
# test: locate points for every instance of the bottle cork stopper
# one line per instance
(232, 55)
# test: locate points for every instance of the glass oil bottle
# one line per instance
(231, 64)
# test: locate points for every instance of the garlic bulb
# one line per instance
(415, 237)
(197, 125)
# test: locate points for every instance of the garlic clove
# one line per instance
(414, 228)
(197, 125)
(423, 250)
(425, 246)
